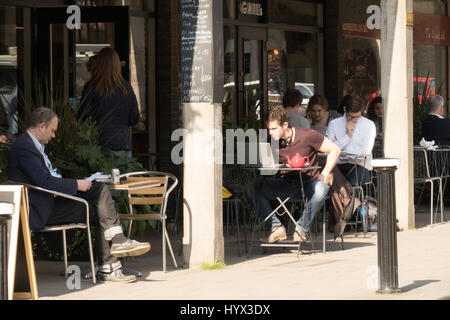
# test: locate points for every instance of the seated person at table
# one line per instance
(318, 113)
(28, 163)
(435, 126)
(305, 142)
(3, 124)
(292, 101)
(356, 135)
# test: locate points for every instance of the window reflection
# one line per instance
(361, 67)
(229, 98)
(292, 63)
(8, 67)
(293, 12)
(252, 83)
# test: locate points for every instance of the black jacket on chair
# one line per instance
(437, 129)
(27, 165)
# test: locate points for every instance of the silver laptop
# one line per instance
(256, 155)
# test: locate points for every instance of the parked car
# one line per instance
(307, 90)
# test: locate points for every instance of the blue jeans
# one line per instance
(266, 189)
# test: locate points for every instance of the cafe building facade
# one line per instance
(319, 47)
(328, 47)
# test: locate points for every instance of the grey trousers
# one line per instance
(102, 215)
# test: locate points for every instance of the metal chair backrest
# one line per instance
(439, 162)
(421, 166)
(151, 195)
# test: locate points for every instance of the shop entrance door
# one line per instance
(252, 75)
(62, 53)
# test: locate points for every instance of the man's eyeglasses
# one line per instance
(350, 117)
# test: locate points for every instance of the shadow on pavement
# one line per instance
(417, 284)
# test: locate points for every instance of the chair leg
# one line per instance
(442, 200)
(65, 253)
(431, 201)
(164, 244)
(324, 230)
(236, 208)
(228, 217)
(245, 231)
(170, 249)
(129, 228)
(91, 256)
(442, 203)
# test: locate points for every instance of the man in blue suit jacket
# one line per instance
(28, 163)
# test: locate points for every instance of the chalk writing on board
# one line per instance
(196, 44)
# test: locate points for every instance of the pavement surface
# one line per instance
(278, 274)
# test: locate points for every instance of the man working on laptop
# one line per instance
(305, 142)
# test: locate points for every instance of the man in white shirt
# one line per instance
(355, 135)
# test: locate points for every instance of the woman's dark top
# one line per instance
(114, 115)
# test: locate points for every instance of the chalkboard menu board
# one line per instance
(196, 51)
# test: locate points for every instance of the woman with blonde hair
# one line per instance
(110, 101)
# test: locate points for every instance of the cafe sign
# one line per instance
(251, 8)
(431, 29)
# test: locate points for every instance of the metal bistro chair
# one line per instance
(361, 191)
(65, 227)
(440, 167)
(235, 179)
(151, 196)
(423, 174)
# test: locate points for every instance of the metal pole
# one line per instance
(387, 237)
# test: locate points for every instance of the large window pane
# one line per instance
(361, 67)
(430, 61)
(90, 39)
(8, 66)
(229, 105)
(292, 62)
(252, 82)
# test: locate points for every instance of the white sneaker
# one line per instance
(299, 235)
(129, 248)
(115, 276)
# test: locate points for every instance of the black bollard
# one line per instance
(387, 225)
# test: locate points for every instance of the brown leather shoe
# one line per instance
(278, 233)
